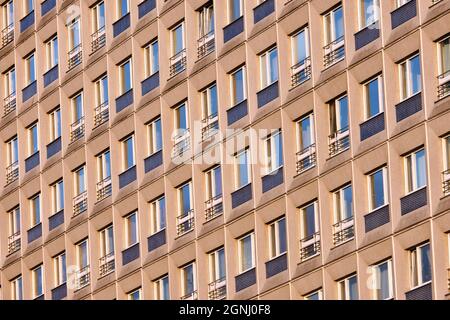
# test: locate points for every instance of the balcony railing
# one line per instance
(182, 144)
(306, 159)
(301, 72)
(12, 172)
(107, 264)
(98, 39)
(75, 57)
(80, 203)
(104, 189)
(444, 85)
(310, 246)
(9, 104)
(8, 35)
(334, 52)
(185, 222)
(446, 182)
(214, 207)
(206, 44)
(190, 296)
(343, 231)
(217, 290)
(339, 141)
(178, 63)
(210, 125)
(14, 242)
(77, 129)
(101, 114)
(82, 278)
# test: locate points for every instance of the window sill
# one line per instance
(247, 270)
(409, 97)
(414, 191)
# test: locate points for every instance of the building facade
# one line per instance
(226, 149)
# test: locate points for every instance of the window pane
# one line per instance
(347, 202)
(415, 75)
(217, 181)
(425, 261)
(165, 284)
(373, 98)
(221, 264)
(282, 235)
(189, 279)
(162, 213)
(447, 146)
(305, 133)
(384, 283)
(338, 24)
(353, 288)
(155, 57)
(445, 55)
(273, 62)
(238, 86)
(343, 113)
(377, 189)
(185, 199)
(213, 100)
(309, 221)
(247, 254)
(421, 169)
(300, 53)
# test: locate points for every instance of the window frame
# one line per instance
(272, 166)
(240, 240)
(123, 74)
(406, 87)
(152, 135)
(376, 273)
(128, 239)
(156, 216)
(151, 66)
(56, 196)
(364, 21)
(125, 155)
(366, 94)
(417, 265)
(37, 292)
(159, 288)
(339, 214)
(275, 238)
(33, 134)
(265, 67)
(60, 267)
(35, 211)
(414, 183)
(237, 176)
(371, 190)
(183, 278)
(106, 248)
(214, 265)
(315, 204)
(52, 58)
(344, 285)
(233, 90)
(294, 48)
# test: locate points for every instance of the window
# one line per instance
(51, 50)
(305, 132)
(162, 289)
(213, 183)
(33, 139)
(378, 189)
(444, 56)
(59, 268)
(447, 153)
(155, 136)
(410, 77)
(382, 273)
(131, 228)
(8, 15)
(98, 17)
(30, 69)
(14, 222)
(277, 238)
(309, 221)
(246, 252)
(348, 288)
(343, 204)
(206, 20)
(181, 117)
(373, 97)
(79, 180)
(235, 9)
(83, 254)
(107, 241)
(420, 258)
(369, 12)
(300, 46)
(74, 34)
(77, 107)
(122, 8)
(103, 166)
(28, 6)
(316, 295)
(238, 86)
(151, 53)
(158, 215)
(177, 36)
(12, 151)
(57, 190)
(126, 77)
(242, 168)
(128, 152)
(269, 67)
(35, 210)
(189, 286)
(339, 115)
(55, 124)
(415, 171)
(184, 199)
(402, 2)
(17, 288)
(101, 91)
(217, 265)
(38, 285)
(334, 25)
(274, 152)
(10, 82)
(135, 295)
(209, 102)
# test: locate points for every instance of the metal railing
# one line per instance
(14, 242)
(185, 222)
(77, 129)
(9, 104)
(343, 231)
(310, 246)
(301, 72)
(8, 35)
(80, 203)
(190, 296)
(12, 172)
(306, 158)
(104, 189)
(206, 44)
(82, 278)
(101, 114)
(98, 39)
(444, 85)
(217, 290)
(446, 182)
(106, 264)
(182, 144)
(177, 63)
(334, 52)
(75, 57)
(209, 126)
(339, 141)
(214, 207)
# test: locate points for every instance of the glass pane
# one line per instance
(445, 55)
(373, 98)
(305, 133)
(347, 203)
(314, 296)
(415, 75)
(300, 53)
(104, 97)
(278, 151)
(235, 9)
(182, 117)
(32, 69)
(107, 165)
(447, 152)
(63, 268)
(132, 229)
(155, 57)
(110, 236)
(282, 235)
(221, 264)
(80, 180)
(343, 113)
(188, 279)
(162, 213)
(243, 177)
(127, 76)
(377, 189)
(425, 261)
(165, 284)
(338, 24)
(247, 254)
(158, 135)
(213, 100)
(238, 86)
(384, 283)
(129, 153)
(185, 199)
(178, 39)
(353, 288)
(421, 173)
(273, 61)
(309, 221)
(217, 182)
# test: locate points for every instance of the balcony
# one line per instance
(210, 126)
(343, 231)
(424, 292)
(145, 7)
(267, 94)
(47, 6)
(310, 246)
(153, 161)
(53, 147)
(214, 207)
(306, 159)
(77, 130)
(156, 240)
(127, 177)
(51, 76)
(241, 196)
(12, 173)
(121, 25)
(27, 21)
(408, 107)
(182, 144)
(130, 254)
(217, 290)
(272, 180)
(101, 114)
(276, 265)
(98, 39)
(32, 161)
(404, 13)
(104, 189)
(14, 242)
(9, 104)
(444, 85)
(75, 57)
(339, 142)
(177, 63)
(372, 126)
(34, 233)
(206, 45)
(125, 100)
(60, 292)
(29, 91)
(80, 204)
(237, 112)
(263, 10)
(56, 220)
(334, 52)
(233, 29)
(149, 84)
(376, 218)
(414, 201)
(245, 279)
(367, 35)
(190, 296)
(446, 182)
(82, 278)
(185, 223)
(106, 264)
(301, 72)
(8, 35)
